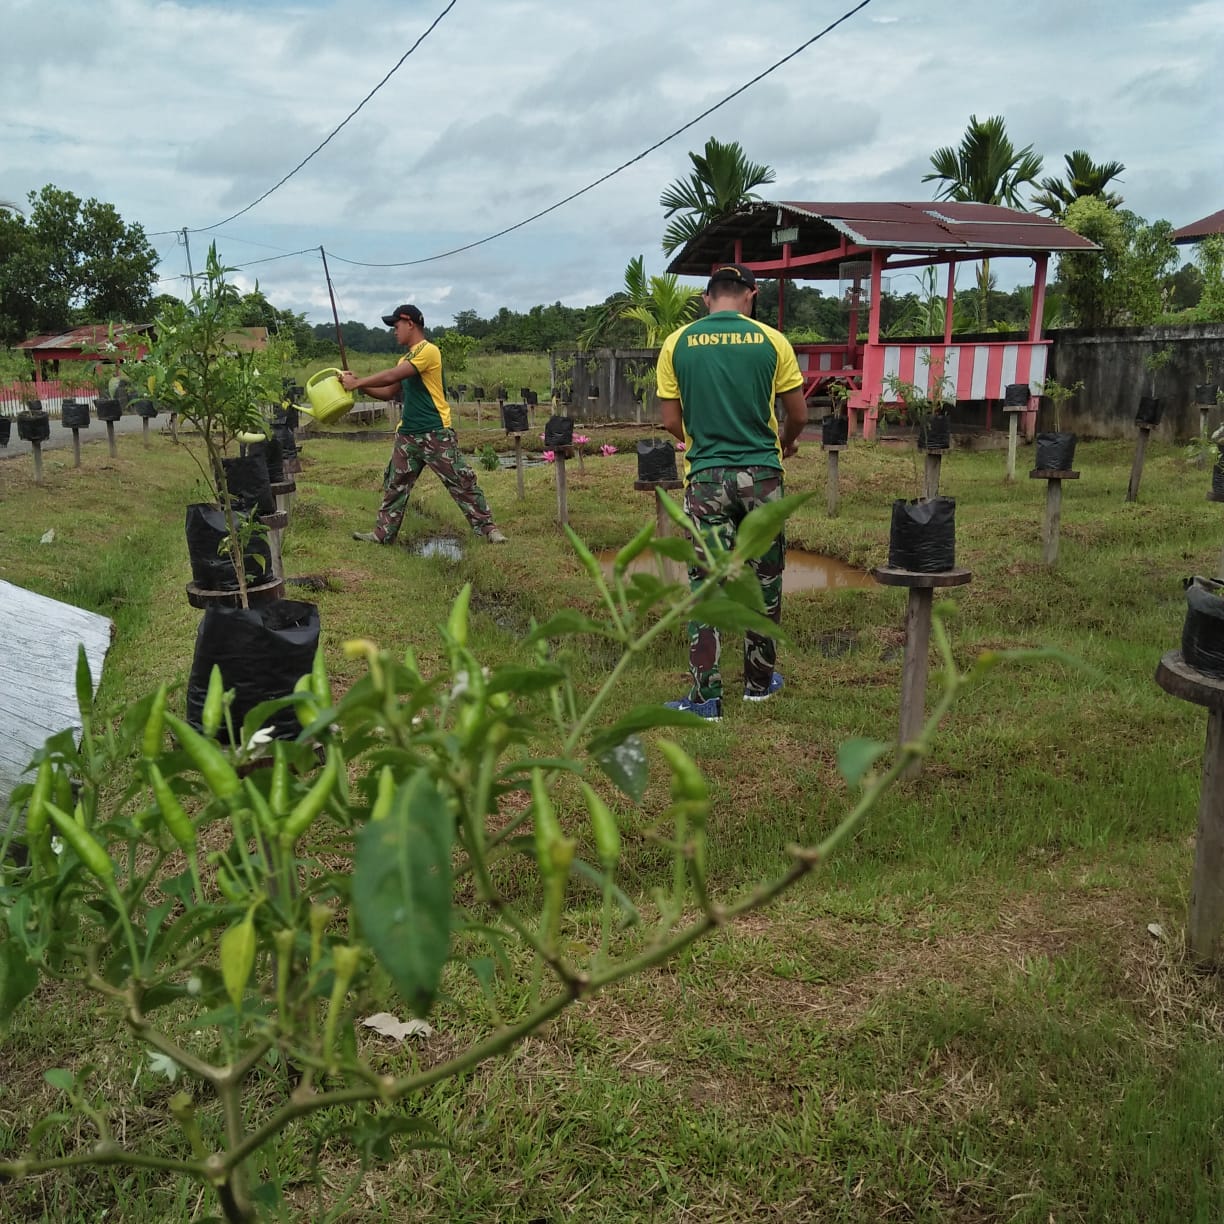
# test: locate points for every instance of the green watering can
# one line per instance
(329, 401)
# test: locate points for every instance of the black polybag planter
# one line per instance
(144, 408)
(108, 409)
(558, 432)
(834, 430)
(1016, 395)
(1055, 452)
(262, 652)
(923, 535)
(1151, 409)
(249, 485)
(273, 456)
(478, 393)
(529, 397)
(514, 418)
(33, 426)
(1205, 394)
(935, 433)
(208, 549)
(6, 430)
(74, 414)
(1203, 629)
(656, 458)
(283, 433)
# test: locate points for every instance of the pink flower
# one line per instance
(549, 456)
(581, 439)
(605, 449)
(541, 437)
(679, 446)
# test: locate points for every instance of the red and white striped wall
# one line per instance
(976, 371)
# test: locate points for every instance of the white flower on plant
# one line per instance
(263, 736)
(163, 1064)
(194, 984)
(57, 845)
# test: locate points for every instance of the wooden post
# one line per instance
(144, 430)
(1205, 928)
(110, 438)
(916, 663)
(276, 524)
(562, 505)
(36, 451)
(930, 475)
(518, 463)
(834, 491)
(76, 448)
(283, 491)
(1013, 433)
(673, 571)
(1132, 489)
(1053, 510)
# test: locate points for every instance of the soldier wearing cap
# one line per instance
(717, 381)
(425, 438)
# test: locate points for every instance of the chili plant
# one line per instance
(240, 919)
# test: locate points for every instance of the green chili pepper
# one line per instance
(319, 683)
(259, 805)
(307, 711)
(238, 957)
(214, 703)
(605, 828)
(278, 791)
(177, 820)
(211, 762)
(87, 849)
(631, 550)
(155, 724)
(63, 789)
(36, 808)
(687, 782)
(547, 828)
(333, 751)
(310, 805)
(386, 794)
(457, 621)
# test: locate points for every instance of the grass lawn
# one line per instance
(964, 1016)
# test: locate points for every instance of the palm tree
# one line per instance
(1084, 178)
(659, 303)
(986, 168)
(722, 180)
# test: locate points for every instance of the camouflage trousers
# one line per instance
(439, 451)
(718, 499)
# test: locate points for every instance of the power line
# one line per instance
(338, 126)
(410, 263)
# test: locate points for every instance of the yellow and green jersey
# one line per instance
(424, 402)
(726, 370)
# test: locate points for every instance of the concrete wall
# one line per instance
(1110, 362)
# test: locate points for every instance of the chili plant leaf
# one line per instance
(18, 978)
(624, 761)
(856, 756)
(402, 889)
(760, 528)
(641, 718)
(567, 621)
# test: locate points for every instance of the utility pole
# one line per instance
(187, 245)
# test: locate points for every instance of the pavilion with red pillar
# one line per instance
(858, 245)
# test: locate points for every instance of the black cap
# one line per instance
(736, 273)
(404, 312)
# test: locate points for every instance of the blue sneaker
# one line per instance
(775, 686)
(710, 710)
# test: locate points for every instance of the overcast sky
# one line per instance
(182, 113)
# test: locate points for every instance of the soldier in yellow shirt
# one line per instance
(425, 438)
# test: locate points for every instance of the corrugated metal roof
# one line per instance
(87, 337)
(924, 227)
(1205, 227)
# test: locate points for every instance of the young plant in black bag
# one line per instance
(208, 370)
(1151, 406)
(1055, 451)
(927, 409)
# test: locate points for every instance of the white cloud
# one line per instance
(181, 112)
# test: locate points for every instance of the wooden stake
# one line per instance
(930, 481)
(1053, 511)
(833, 489)
(1132, 489)
(110, 439)
(1013, 432)
(562, 506)
(36, 451)
(518, 463)
(1205, 929)
(144, 430)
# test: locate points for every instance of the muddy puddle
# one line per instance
(805, 571)
(446, 547)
